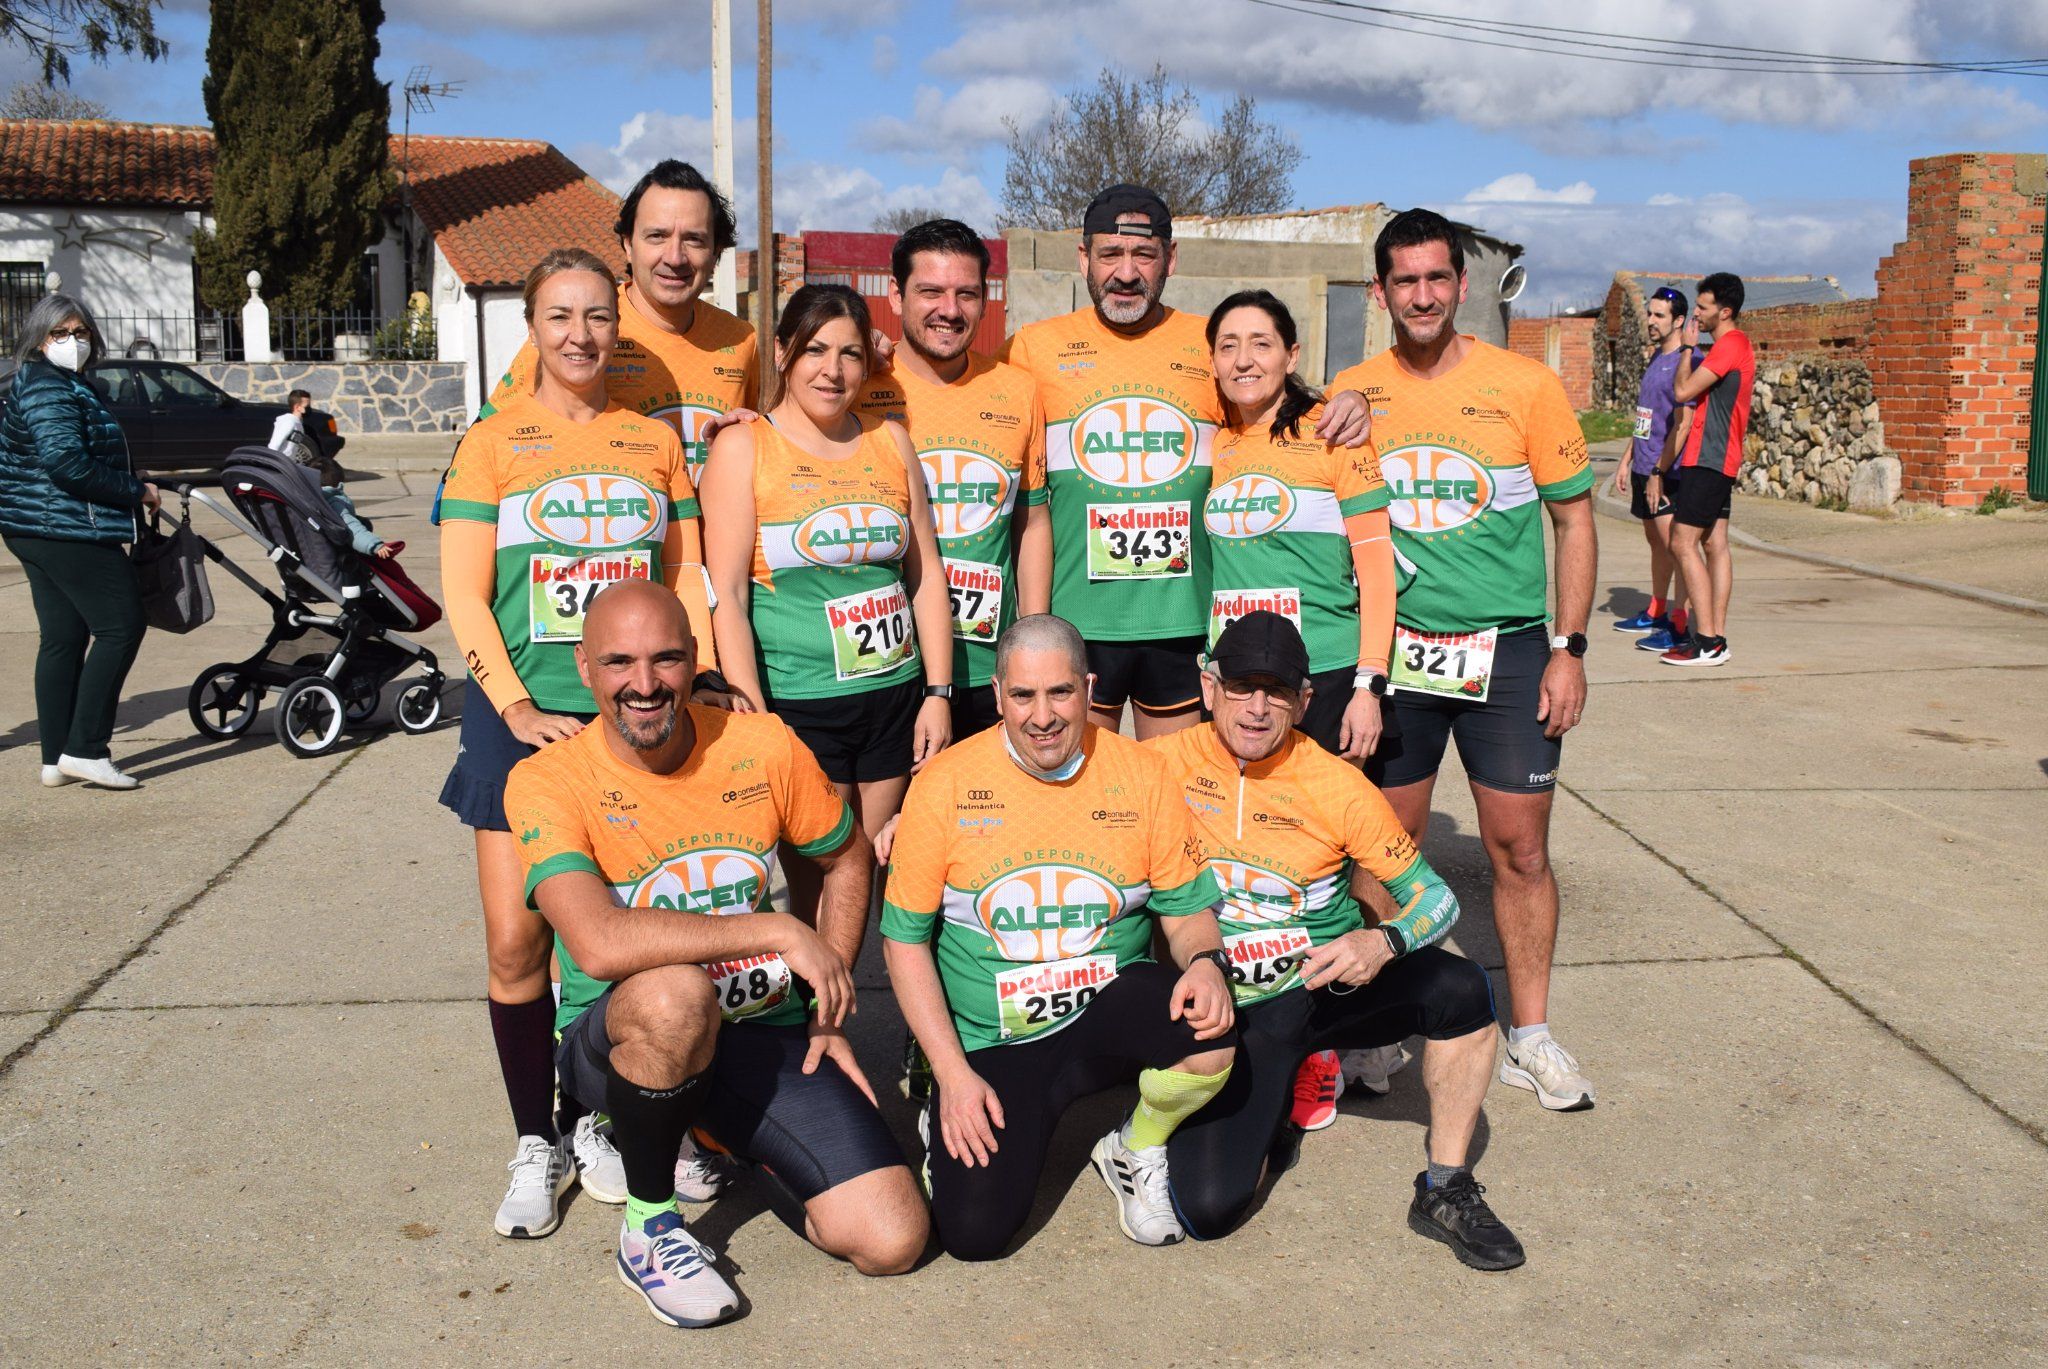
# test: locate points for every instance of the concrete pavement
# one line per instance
(250, 1108)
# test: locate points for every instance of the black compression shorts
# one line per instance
(1500, 741)
(1159, 677)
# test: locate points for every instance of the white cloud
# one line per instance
(808, 194)
(883, 58)
(1575, 247)
(956, 128)
(1519, 187)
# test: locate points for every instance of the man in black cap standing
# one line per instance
(1283, 824)
(1130, 409)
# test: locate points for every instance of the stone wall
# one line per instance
(1815, 434)
(364, 397)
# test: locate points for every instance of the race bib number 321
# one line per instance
(1457, 665)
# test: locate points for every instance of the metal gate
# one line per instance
(21, 285)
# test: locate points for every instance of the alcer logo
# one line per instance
(593, 511)
(967, 490)
(1248, 506)
(1047, 912)
(1435, 490)
(1134, 442)
(688, 420)
(715, 881)
(1257, 895)
(851, 535)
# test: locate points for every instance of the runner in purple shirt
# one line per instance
(1661, 427)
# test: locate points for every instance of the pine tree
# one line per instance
(301, 127)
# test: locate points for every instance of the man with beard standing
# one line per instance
(979, 435)
(1130, 410)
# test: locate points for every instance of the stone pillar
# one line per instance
(256, 323)
(1954, 328)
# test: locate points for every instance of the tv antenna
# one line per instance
(421, 90)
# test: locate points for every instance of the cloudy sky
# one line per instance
(1592, 165)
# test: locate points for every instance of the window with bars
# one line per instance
(21, 285)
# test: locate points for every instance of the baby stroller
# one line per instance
(358, 601)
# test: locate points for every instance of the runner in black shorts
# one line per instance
(1478, 445)
(650, 843)
(1160, 677)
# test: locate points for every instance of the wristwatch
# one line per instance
(1372, 682)
(1575, 644)
(1220, 958)
(1394, 941)
(938, 691)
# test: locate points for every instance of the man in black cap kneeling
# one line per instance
(1283, 825)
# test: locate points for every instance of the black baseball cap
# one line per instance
(1118, 200)
(1261, 643)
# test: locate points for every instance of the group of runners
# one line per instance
(1692, 415)
(876, 637)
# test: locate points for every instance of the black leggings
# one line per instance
(978, 1211)
(82, 591)
(1217, 1156)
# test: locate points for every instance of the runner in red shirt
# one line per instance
(1722, 383)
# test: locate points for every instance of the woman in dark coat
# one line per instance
(68, 501)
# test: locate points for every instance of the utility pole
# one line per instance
(725, 279)
(764, 145)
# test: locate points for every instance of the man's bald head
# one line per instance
(639, 658)
(635, 609)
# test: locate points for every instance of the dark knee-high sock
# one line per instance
(525, 1036)
(648, 1127)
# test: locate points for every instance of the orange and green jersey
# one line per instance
(980, 442)
(1281, 836)
(1128, 425)
(1275, 514)
(1038, 891)
(699, 840)
(830, 610)
(578, 507)
(684, 379)
(1468, 456)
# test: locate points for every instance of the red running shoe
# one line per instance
(1318, 1084)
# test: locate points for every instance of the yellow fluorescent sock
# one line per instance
(1166, 1098)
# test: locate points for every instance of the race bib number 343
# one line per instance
(1139, 541)
(1032, 998)
(1458, 665)
(560, 589)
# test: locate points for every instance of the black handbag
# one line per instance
(170, 569)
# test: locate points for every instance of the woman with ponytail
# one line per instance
(1298, 526)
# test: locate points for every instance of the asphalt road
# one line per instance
(249, 1110)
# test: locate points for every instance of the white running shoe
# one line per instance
(701, 1175)
(1548, 1070)
(671, 1269)
(1137, 1180)
(541, 1174)
(1372, 1067)
(598, 1166)
(54, 777)
(100, 772)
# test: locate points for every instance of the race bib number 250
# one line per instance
(1032, 998)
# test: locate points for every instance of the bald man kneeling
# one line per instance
(649, 841)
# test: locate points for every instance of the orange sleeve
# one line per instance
(469, 566)
(1034, 451)
(750, 361)
(814, 818)
(1372, 560)
(1373, 837)
(1556, 443)
(917, 865)
(1176, 870)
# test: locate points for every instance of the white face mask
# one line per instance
(66, 353)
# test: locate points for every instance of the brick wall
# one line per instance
(1954, 324)
(1565, 345)
(1840, 330)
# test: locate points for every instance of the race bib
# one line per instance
(1033, 998)
(749, 986)
(1643, 419)
(1139, 541)
(870, 632)
(1226, 606)
(976, 591)
(1458, 665)
(1264, 963)
(560, 589)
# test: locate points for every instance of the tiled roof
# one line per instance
(95, 161)
(494, 205)
(1758, 292)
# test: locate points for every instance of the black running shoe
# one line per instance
(1457, 1215)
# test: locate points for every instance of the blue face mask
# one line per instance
(1065, 772)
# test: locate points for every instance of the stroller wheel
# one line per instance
(418, 707)
(309, 716)
(223, 701)
(363, 707)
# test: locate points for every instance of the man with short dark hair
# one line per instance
(979, 435)
(680, 358)
(1660, 432)
(1473, 441)
(1722, 384)
(1130, 411)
